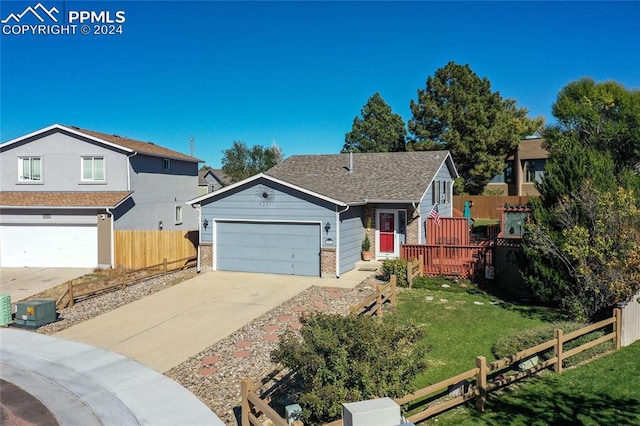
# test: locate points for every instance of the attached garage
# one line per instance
(271, 247)
(49, 246)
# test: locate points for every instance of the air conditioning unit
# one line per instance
(35, 313)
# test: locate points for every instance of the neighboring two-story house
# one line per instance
(524, 168)
(309, 214)
(65, 190)
(210, 180)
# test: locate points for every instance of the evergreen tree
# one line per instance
(379, 129)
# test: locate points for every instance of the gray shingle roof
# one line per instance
(388, 176)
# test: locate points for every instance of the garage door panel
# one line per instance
(48, 246)
(278, 248)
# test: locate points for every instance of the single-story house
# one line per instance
(309, 214)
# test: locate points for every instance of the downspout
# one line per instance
(198, 207)
(129, 170)
(338, 213)
(112, 242)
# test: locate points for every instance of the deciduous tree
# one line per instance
(240, 162)
(581, 251)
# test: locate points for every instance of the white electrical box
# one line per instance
(374, 412)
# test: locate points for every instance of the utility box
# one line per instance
(374, 412)
(35, 313)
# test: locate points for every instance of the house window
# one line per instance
(93, 169)
(178, 215)
(534, 171)
(166, 164)
(30, 169)
(508, 172)
(435, 193)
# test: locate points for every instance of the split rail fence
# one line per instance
(122, 278)
(487, 378)
(373, 304)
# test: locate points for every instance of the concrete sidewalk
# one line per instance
(167, 328)
(84, 385)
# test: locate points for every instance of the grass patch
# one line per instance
(485, 222)
(604, 391)
(462, 323)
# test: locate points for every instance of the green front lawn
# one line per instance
(462, 323)
(605, 391)
(464, 326)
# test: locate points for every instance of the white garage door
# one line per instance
(275, 248)
(71, 246)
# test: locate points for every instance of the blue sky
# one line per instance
(295, 73)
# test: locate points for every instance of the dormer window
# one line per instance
(30, 169)
(166, 164)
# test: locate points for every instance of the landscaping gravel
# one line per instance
(214, 374)
(97, 305)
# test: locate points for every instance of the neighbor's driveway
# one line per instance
(21, 283)
(166, 328)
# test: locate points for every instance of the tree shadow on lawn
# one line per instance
(529, 406)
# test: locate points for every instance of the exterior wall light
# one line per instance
(205, 223)
(327, 227)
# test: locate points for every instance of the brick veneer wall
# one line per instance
(206, 257)
(327, 262)
(413, 226)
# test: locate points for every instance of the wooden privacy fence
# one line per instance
(120, 279)
(486, 206)
(462, 261)
(631, 320)
(452, 231)
(140, 249)
(372, 305)
(489, 377)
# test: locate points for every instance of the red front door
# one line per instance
(387, 232)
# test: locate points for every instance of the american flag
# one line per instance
(435, 215)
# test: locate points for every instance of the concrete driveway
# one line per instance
(21, 283)
(166, 328)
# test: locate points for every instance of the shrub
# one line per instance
(366, 244)
(397, 267)
(346, 359)
(520, 341)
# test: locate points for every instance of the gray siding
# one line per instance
(351, 236)
(426, 203)
(282, 204)
(61, 165)
(156, 193)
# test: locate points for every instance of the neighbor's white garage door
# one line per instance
(57, 246)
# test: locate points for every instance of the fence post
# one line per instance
(394, 280)
(421, 260)
(481, 399)
(70, 292)
(558, 350)
(379, 301)
(164, 266)
(123, 278)
(245, 388)
(617, 327)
